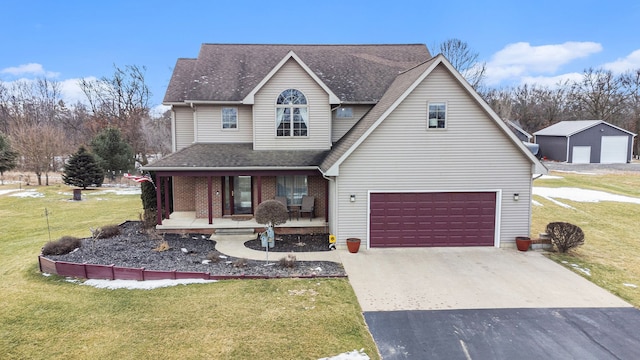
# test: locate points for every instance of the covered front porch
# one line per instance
(187, 221)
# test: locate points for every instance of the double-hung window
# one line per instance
(437, 115)
(229, 118)
(292, 114)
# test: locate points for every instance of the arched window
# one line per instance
(292, 114)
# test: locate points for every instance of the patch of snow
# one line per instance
(3, 192)
(352, 355)
(141, 285)
(582, 195)
(549, 177)
(536, 203)
(630, 285)
(557, 202)
(28, 194)
(583, 270)
(117, 191)
(575, 172)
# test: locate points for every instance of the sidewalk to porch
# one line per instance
(186, 220)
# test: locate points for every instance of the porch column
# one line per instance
(326, 200)
(158, 199)
(209, 199)
(166, 197)
(259, 189)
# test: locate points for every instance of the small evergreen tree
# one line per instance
(82, 170)
(8, 156)
(112, 152)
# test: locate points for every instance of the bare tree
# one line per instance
(631, 83)
(38, 146)
(157, 132)
(599, 96)
(121, 101)
(464, 60)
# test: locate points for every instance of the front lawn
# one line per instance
(51, 318)
(612, 230)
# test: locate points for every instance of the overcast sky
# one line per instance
(521, 41)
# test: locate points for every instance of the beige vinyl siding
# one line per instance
(341, 126)
(291, 76)
(209, 124)
(471, 154)
(183, 127)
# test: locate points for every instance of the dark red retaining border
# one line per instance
(111, 272)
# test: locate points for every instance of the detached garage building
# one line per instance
(585, 141)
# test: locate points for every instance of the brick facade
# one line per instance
(190, 194)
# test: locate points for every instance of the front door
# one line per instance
(237, 195)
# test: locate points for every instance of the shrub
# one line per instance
(288, 261)
(271, 212)
(565, 236)
(241, 263)
(149, 218)
(106, 232)
(64, 245)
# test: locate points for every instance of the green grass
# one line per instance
(612, 230)
(51, 318)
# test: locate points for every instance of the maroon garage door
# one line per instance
(432, 219)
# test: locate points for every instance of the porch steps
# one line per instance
(235, 231)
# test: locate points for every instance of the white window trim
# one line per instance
(446, 115)
(278, 106)
(222, 119)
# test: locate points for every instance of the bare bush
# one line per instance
(64, 245)
(565, 236)
(271, 212)
(106, 232)
(288, 261)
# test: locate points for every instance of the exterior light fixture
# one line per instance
(516, 197)
(352, 198)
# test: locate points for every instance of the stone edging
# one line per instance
(112, 272)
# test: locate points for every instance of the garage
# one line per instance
(421, 219)
(614, 149)
(584, 142)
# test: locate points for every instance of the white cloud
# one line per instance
(72, 92)
(521, 59)
(29, 69)
(158, 110)
(551, 81)
(630, 62)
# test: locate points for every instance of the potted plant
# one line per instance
(523, 243)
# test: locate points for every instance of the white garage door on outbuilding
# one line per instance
(581, 155)
(614, 149)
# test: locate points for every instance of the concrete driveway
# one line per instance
(480, 303)
(467, 278)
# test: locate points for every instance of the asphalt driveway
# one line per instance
(480, 303)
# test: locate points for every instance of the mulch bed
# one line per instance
(134, 248)
(294, 243)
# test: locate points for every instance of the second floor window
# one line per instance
(229, 118)
(292, 114)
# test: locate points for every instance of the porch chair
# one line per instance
(283, 201)
(308, 206)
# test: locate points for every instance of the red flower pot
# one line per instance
(353, 244)
(523, 243)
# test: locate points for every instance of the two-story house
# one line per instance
(395, 147)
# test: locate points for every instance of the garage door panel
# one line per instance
(432, 219)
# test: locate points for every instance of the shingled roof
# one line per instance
(238, 155)
(354, 73)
